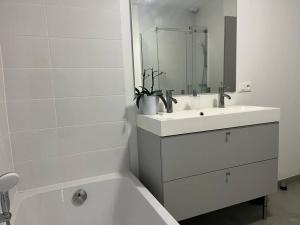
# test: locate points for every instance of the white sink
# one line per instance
(190, 121)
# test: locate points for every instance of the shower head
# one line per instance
(8, 181)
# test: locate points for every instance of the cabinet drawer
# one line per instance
(189, 197)
(198, 153)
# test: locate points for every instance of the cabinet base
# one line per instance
(265, 207)
(263, 202)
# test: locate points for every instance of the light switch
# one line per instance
(245, 87)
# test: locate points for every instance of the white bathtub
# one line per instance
(113, 199)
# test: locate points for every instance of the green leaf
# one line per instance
(146, 91)
(137, 91)
(138, 101)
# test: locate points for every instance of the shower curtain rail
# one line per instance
(173, 29)
(190, 30)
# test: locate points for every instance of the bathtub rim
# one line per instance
(20, 196)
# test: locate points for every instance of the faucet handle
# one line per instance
(8, 181)
(174, 100)
(169, 95)
(195, 93)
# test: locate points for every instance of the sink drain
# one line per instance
(79, 197)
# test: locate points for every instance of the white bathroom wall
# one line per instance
(64, 78)
(268, 55)
(6, 164)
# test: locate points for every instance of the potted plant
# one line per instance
(148, 100)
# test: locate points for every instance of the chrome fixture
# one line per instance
(7, 182)
(195, 93)
(79, 197)
(222, 97)
(170, 100)
(173, 29)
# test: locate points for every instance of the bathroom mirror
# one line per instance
(191, 44)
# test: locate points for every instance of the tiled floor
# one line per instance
(284, 209)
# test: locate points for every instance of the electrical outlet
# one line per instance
(245, 87)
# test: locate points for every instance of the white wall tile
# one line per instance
(94, 163)
(7, 20)
(64, 90)
(2, 87)
(5, 150)
(28, 84)
(110, 5)
(26, 52)
(91, 110)
(3, 120)
(29, 20)
(34, 145)
(90, 138)
(34, 114)
(38, 2)
(83, 23)
(5, 156)
(2, 95)
(39, 173)
(88, 82)
(76, 53)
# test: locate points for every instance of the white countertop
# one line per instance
(190, 121)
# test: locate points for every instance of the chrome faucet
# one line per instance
(7, 182)
(222, 97)
(170, 100)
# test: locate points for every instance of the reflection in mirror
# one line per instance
(193, 42)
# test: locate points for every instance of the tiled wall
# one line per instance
(6, 164)
(64, 88)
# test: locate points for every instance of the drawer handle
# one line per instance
(227, 177)
(227, 136)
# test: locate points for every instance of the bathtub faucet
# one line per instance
(7, 182)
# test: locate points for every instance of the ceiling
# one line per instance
(182, 4)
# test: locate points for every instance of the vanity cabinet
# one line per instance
(192, 174)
